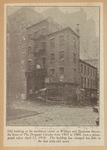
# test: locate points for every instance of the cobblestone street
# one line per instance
(37, 113)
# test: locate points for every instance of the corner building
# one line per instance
(56, 51)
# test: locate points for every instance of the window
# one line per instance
(36, 54)
(81, 68)
(61, 55)
(91, 72)
(88, 71)
(29, 50)
(36, 34)
(29, 37)
(52, 72)
(43, 45)
(84, 82)
(52, 58)
(81, 81)
(61, 40)
(52, 43)
(85, 69)
(44, 31)
(44, 62)
(74, 57)
(88, 83)
(36, 47)
(91, 83)
(74, 75)
(95, 73)
(61, 70)
(29, 64)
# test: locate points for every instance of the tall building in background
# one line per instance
(17, 23)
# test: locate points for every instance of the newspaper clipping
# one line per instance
(54, 68)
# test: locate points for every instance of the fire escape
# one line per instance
(38, 70)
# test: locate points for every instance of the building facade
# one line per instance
(56, 51)
(16, 49)
(41, 54)
(88, 79)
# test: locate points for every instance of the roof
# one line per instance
(37, 23)
(67, 28)
(47, 19)
(87, 64)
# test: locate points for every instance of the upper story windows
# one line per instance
(81, 81)
(29, 37)
(52, 58)
(74, 57)
(61, 70)
(81, 68)
(29, 65)
(35, 62)
(36, 34)
(43, 44)
(44, 31)
(61, 40)
(52, 72)
(91, 72)
(75, 79)
(88, 70)
(29, 50)
(61, 55)
(85, 69)
(35, 47)
(52, 43)
(44, 61)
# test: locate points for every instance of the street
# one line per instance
(39, 113)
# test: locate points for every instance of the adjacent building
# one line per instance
(88, 79)
(16, 49)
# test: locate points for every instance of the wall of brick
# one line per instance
(74, 77)
(56, 52)
(88, 75)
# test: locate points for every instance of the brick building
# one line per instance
(42, 54)
(88, 78)
(56, 50)
(16, 49)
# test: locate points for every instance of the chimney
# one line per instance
(77, 29)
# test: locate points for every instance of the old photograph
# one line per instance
(53, 65)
